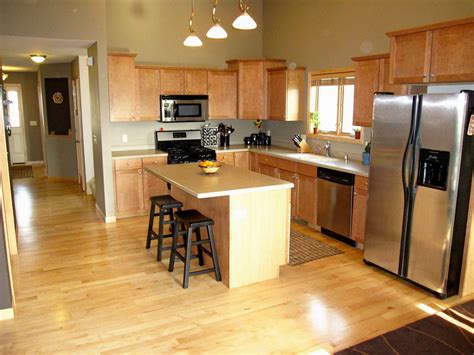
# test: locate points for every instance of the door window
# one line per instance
(13, 108)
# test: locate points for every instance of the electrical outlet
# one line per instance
(124, 138)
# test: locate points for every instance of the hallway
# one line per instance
(83, 285)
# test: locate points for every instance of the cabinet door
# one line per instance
(384, 79)
(359, 215)
(226, 158)
(410, 58)
(172, 81)
(366, 84)
(222, 90)
(452, 55)
(152, 185)
(307, 198)
(253, 161)
(251, 91)
(129, 190)
(121, 72)
(195, 82)
(268, 170)
(290, 176)
(241, 160)
(147, 94)
(276, 94)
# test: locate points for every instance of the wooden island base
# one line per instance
(251, 232)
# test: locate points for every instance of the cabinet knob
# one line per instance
(424, 75)
(139, 171)
(433, 75)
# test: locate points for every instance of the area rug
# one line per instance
(21, 171)
(447, 332)
(303, 248)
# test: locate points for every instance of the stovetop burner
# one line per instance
(190, 154)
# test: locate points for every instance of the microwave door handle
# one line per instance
(175, 111)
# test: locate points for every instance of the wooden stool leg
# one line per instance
(199, 247)
(150, 225)
(159, 249)
(214, 253)
(187, 262)
(173, 248)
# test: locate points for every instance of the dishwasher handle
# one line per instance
(335, 176)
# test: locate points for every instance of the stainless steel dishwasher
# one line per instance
(335, 191)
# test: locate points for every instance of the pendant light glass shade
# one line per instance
(216, 32)
(4, 76)
(38, 58)
(244, 21)
(192, 41)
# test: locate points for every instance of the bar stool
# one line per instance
(192, 221)
(166, 204)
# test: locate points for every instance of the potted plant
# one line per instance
(366, 154)
(315, 121)
(357, 132)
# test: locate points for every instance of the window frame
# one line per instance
(337, 73)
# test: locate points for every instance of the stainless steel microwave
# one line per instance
(184, 108)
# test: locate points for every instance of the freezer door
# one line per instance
(441, 130)
(385, 208)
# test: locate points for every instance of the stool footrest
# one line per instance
(156, 235)
(181, 257)
(203, 271)
(201, 242)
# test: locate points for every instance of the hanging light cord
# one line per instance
(242, 6)
(215, 19)
(191, 29)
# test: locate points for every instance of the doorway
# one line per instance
(17, 142)
(76, 99)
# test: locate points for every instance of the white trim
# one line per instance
(35, 162)
(7, 313)
(19, 89)
(106, 219)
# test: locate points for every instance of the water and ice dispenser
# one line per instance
(433, 169)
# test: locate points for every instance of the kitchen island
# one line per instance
(251, 213)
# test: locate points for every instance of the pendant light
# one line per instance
(4, 76)
(192, 40)
(244, 21)
(216, 31)
(38, 58)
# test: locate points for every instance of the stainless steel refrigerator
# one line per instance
(419, 185)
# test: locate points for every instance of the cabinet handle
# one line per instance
(424, 75)
(433, 75)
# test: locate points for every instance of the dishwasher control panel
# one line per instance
(338, 177)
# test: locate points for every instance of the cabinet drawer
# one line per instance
(287, 165)
(268, 160)
(361, 182)
(226, 158)
(126, 164)
(154, 161)
(305, 169)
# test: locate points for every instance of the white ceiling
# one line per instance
(16, 51)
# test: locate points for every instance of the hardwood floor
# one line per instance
(86, 286)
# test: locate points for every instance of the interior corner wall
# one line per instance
(31, 115)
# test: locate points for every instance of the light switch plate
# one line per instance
(33, 123)
(124, 138)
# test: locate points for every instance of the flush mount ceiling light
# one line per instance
(192, 40)
(37, 58)
(4, 76)
(244, 21)
(216, 31)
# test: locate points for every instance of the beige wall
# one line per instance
(156, 29)
(327, 33)
(29, 91)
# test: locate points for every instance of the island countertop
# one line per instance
(227, 181)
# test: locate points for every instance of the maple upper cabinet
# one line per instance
(147, 94)
(222, 91)
(195, 82)
(172, 81)
(252, 85)
(438, 53)
(121, 70)
(285, 94)
(371, 76)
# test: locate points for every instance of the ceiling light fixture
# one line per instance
(4, 76)
(37, 58)
(244, 21)
(216, 31)
(192, 40)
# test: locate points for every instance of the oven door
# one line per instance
(184, 108)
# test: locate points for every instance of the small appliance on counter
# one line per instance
(210, 136)
(224, 133)
(258, 139)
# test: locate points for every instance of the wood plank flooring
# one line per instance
(86, 286)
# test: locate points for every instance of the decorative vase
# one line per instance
(357, 135)
(315, 130)
(366, 158)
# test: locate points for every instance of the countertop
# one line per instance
(351, 166)
(228, 180)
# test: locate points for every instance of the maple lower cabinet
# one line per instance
(267, 170)
(147, 94)
(121, 73)
(253, 161)
(226, 158)
(290, 176)
(222, 91)
(195, 82)
(307, 193)
(128, 174)
(172, 81)
(359, 209)
(371, 76)
(153, 186)
(438, 53)
(285, 94)
(241, 160)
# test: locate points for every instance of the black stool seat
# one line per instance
(193, 218)
(186, 223)
(166, 201)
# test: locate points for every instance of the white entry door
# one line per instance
(17, 143)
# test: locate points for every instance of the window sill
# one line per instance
(332, 137)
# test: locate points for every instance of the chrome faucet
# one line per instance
(327, 147)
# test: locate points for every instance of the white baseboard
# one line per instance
(35, 162)
(106, 219)
(7, 313)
